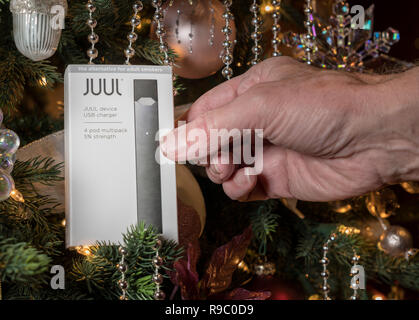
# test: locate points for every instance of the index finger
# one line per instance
(215, 98)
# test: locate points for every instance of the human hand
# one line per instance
(329, 135)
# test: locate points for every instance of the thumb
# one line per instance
(200, 138)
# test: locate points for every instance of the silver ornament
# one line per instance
(37, 26)
(395, 241)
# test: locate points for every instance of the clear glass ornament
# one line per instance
(7, 161)
(6, 185)
(37, 26)
(9, 141)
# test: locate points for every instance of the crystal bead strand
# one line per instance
(178, 25)
(309, 44)
(93, 38)
(227, 56)
(157, 277)
(212, 25)
(132, 36)
(191, 35)
(256, 34)
(122, 268)
(324, 262)
(276, 28)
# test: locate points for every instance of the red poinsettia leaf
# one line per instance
(224, 262)
(243, 294)
(185, 275)
(186, 280)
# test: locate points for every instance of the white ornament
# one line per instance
(37, 26)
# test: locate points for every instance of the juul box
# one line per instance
(115, 174)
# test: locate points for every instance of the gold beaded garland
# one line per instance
(122, 268)
(157, 277)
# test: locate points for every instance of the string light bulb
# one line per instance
(268, 8)
(84, 250)
(43, 82)
(348, 230)
(17, 196)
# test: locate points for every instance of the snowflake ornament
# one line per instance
(341, 44)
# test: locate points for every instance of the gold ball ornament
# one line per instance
(341, 206)
(382, 204)
(395, 241)
(411, 187)
(194, 33)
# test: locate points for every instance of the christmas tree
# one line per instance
(276, 248)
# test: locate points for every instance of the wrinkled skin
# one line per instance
(329, 135)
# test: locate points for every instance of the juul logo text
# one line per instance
(106, 86)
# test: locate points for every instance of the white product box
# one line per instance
(113, 114)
